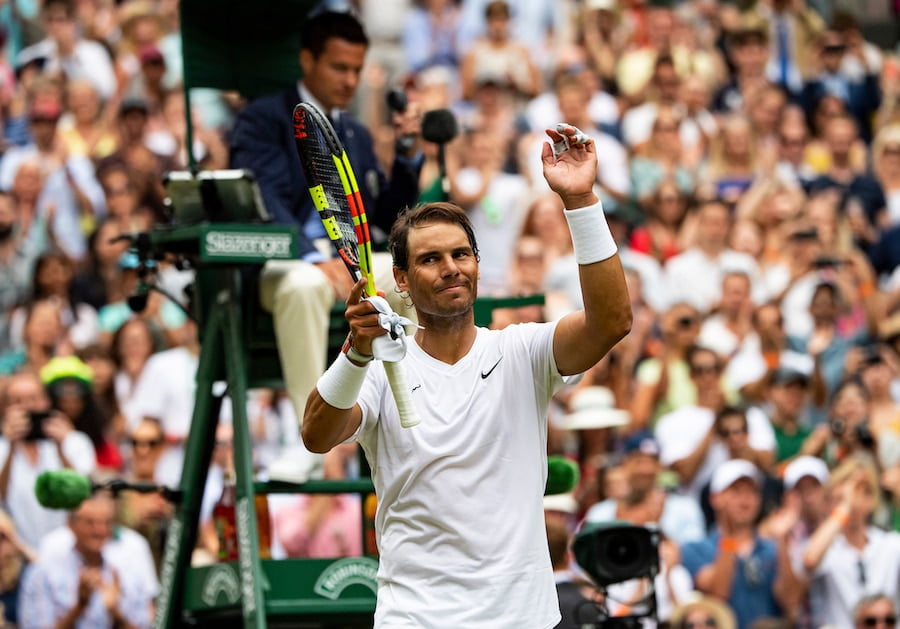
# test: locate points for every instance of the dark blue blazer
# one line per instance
(263, 141)
(863, 99)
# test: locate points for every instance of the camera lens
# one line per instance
(622, 549)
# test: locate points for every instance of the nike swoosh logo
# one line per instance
(485, 374)
(418, 386)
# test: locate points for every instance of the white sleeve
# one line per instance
(79, 450)
(762, 435)
(148, 399)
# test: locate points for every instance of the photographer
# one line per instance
(847, 430)
(35, 440)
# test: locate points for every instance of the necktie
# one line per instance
(784, 58)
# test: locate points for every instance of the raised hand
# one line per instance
(572, 173)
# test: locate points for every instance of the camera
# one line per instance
(837, 426)
(37, 425)
(826, 262)
(614, 552)
(864, 435)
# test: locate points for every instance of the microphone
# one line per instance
(63, 489)
(562, 475)
(439, 126)
(67, 489)
(397, 101)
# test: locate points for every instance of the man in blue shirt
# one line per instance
(733, 563)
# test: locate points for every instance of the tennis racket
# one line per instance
(335, 194)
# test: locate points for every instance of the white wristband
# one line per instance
(341, 383)
(591, 237)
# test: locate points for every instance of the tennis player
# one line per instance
(460, 525)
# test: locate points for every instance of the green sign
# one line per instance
(346, 572)
(221, 244)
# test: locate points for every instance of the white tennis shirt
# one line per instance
(460, 514)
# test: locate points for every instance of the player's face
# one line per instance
(442, 274)
(333, 76)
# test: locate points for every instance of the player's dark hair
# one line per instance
(438, 212)
(317, 30)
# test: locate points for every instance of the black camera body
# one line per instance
(37, 425)
(616, 551)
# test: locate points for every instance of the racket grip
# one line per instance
(397, 380)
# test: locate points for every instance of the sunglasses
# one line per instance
(686, 322)
(872, 621)
(149, 443)
(704, 369)
(699, 624)
(732, 432)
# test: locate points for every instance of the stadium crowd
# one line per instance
(749, 171)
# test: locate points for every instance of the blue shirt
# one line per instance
(751, 595)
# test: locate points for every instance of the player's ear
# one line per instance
(400, 279)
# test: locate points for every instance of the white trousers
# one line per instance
(300, 298)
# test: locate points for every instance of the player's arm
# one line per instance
(582, 338)
(332, 414)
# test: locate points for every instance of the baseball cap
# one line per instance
(789, 375)
(149, 53)
(732, 471)
(805, 466)
(600, 5)
(642, 443)
(593, 407)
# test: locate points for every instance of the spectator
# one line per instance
(147, 514)
(791, 166)
(165, 391)
(695, 275)
(846, 557)
(68, 382)
(677, 516)
(661, 235)
(848, 181)
(874, 610)
(663, 382)
(861, 96)
(793, 28)
(132, 346)
(44, 337)
(53, 281)
(789, 412)
(19, 251)
(99, 281)
(67, 185)
(15, 555)
(660, 159)
(727, 328)
(36, 439)
(877, 375)
(90, 584)
(697, 438)
(734, 160)
(84, 128)
(323, 525)
(430, 35)
(886, 166)
(103, 388)
(166, 318)
(576, 596)
(300, 295)
(733, 563)
(68, 54)
(839, 437)
(702, 611)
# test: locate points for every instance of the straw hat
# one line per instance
(593, 407)
(718, 610)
